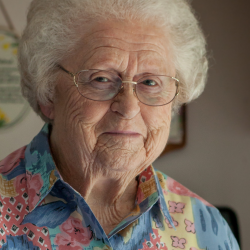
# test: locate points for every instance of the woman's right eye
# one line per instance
(149, 82)
(102, 83)
(101, 79)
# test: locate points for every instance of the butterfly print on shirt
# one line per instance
(176, 207)
(178, 243)
(189, 226)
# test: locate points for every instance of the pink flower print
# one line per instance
(34, 185)
(176, 207)
(165, 191)
(20, 182)
(12, 161)
(176, 223)
(193, 248)
(177, 188)
(154, 242)
(73, 235)
(63, 241)
(189, 226)
(178, 243)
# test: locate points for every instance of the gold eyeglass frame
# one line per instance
(75, 82)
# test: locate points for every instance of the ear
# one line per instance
(48, 110)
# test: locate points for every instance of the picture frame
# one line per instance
(177, 134)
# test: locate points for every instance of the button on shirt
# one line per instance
(41, 211)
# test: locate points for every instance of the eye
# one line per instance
(102, 79)
(102, 83)
(149, 82)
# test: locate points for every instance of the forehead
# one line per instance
(120, 45)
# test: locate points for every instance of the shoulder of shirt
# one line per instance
(175, 193)
(174, 188)
(12, 162)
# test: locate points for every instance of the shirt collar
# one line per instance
(151, 188)
(40, 168)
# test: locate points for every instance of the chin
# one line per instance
(121, 160)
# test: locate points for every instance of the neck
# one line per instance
(101, 189)
(110, 193)
(110, 199)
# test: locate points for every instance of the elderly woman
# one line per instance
(106, 76)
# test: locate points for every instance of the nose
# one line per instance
(126, 102)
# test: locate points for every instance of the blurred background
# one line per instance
(215, 163)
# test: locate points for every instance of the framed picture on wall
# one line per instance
(13, 106)
(177, 135)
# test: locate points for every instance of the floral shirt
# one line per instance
(40, 211)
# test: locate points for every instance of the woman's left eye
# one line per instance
(149, 82)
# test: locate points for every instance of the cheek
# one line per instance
(158, 122)
(157, 118)
(90, 112)
(74, 108)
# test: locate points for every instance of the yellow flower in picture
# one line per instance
(14, 51)
(6, 46)
(3, 118)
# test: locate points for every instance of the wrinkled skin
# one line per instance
(100, 147)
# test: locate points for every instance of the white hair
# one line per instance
(51, 34)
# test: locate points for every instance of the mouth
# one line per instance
(123, 133)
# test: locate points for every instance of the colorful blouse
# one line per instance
(41, 211)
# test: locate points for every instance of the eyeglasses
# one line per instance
(101, 85)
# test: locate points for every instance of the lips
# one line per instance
(118, 128)
(122, 133)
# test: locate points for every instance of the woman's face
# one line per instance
(121, 134)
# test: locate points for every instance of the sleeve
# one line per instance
(212, 230)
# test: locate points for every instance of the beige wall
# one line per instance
(216, 161)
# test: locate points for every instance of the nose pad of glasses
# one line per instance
(122, 88)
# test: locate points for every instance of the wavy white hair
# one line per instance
(52, 33)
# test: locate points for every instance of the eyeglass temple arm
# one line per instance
(70, 73)
(178, 82)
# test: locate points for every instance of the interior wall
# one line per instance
(215, 162)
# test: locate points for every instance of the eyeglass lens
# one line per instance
(104, 85)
